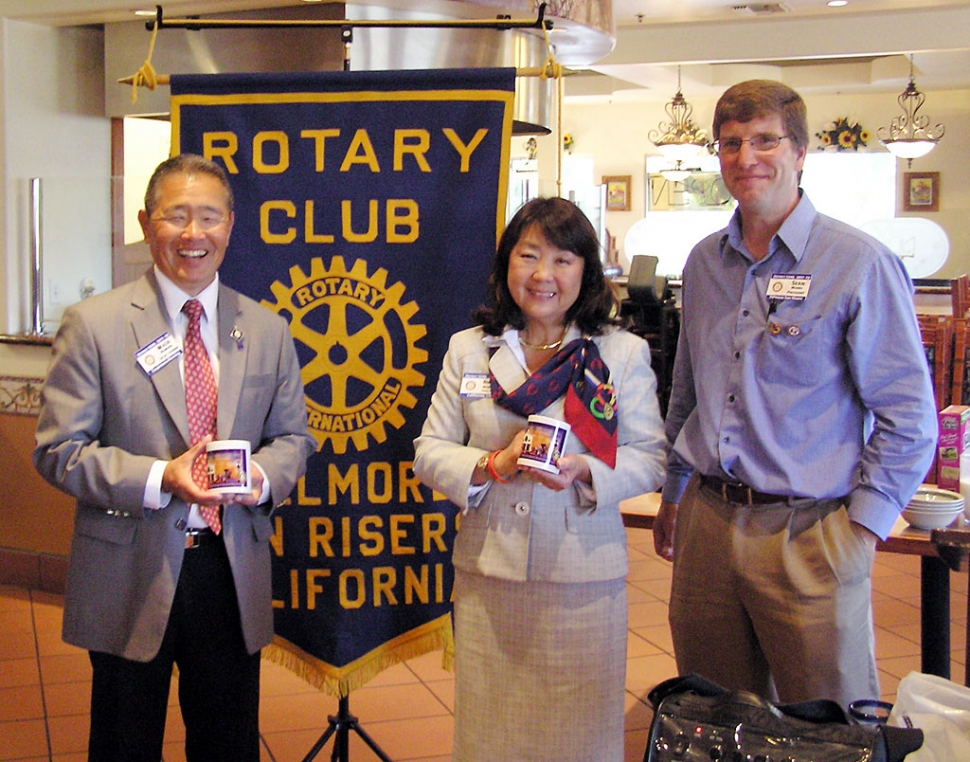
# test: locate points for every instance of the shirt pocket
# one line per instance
(792, 350)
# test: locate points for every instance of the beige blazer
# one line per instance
(524, 531)
(104, 421)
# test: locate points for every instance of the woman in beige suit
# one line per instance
(540, 558)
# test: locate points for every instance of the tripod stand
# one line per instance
(340, 727)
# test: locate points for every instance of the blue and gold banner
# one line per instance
(368, 206)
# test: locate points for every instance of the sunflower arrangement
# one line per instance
(567, 142)
(843, 134)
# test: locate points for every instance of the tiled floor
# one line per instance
(44, 684)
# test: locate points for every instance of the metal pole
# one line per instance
(501, 23)
(36, 306)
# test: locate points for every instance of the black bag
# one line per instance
(696, 720)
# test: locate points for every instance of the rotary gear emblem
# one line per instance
(357, 347)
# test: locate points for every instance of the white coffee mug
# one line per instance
(228, 467)
(544, 442)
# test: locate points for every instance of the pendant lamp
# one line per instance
(678, 139)
(910, 136)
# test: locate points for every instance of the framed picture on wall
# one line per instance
(617, 192)
(921, 191)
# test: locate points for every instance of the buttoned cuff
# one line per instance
(873, 510)
(266, 494)
(674, 487)
(154, 498)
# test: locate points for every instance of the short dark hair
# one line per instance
(761, 98)
(189, 164)
(566, 227)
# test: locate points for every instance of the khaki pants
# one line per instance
(773, 599)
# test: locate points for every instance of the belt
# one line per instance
(198, 538)
(736, 492)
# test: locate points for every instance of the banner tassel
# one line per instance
(145, 76)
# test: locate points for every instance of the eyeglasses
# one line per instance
(206, 220)
(760, 143)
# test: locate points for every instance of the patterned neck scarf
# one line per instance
(578, 371)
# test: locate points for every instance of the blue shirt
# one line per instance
(826, 397)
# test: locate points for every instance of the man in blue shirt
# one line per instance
(801, 422)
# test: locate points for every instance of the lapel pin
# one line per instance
(236, 334)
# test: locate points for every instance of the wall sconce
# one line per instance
(909, 136)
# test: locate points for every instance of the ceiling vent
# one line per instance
(761, 9)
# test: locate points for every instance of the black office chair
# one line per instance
(645, 296)
(641, 286)
(650, 307)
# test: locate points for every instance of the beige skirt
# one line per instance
(539, 670)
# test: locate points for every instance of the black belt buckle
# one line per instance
(196, 538)
(737, 493)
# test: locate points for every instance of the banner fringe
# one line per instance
(341, 681)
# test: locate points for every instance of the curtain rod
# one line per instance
(500, 23)
(529, 71)
(549, 70)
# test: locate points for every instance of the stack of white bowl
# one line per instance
(934, 508)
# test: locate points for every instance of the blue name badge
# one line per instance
(475, 386)
(158, 353)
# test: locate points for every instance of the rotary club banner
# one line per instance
(368, 206)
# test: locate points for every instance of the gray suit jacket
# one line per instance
(103, 423)
(523, 531)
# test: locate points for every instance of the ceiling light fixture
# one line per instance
(909, 136)
(678, 173)
(678, 139)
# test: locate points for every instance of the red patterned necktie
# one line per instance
(201, 400)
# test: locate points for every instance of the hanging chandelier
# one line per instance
(678, 139)
(909, 136)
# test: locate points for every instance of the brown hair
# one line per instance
(566, 227)
(761, 98)
(189, 164)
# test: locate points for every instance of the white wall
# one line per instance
(615, 133)
(53, 127)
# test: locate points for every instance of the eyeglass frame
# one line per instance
(200, 220)
(717, 145)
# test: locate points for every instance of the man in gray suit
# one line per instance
(150, 584)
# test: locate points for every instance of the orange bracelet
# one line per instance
(491, 469)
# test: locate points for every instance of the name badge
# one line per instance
(475, 386)
(789, 287)
(157, 354)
